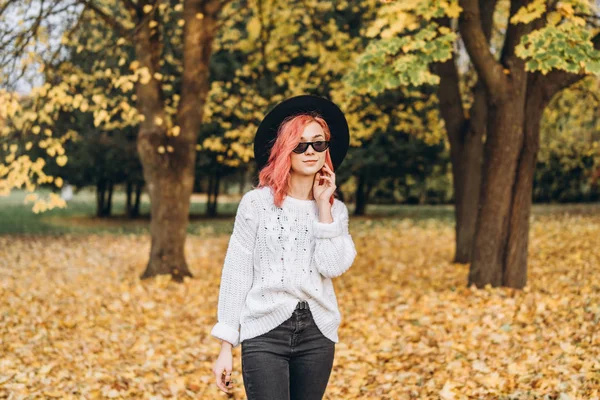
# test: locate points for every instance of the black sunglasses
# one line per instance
(319, 146)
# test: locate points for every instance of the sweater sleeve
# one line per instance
(334, 249)
(236, 275)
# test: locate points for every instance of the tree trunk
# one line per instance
(540, 90)
(209, 193)
(108, 209)
(100, 189)
(467, 174)
(138, 200)
(169, 174)
(502, 149)
(216, 188)
(128, 201)
(361, 197)
(465, 135)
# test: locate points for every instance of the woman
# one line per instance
(290, 238)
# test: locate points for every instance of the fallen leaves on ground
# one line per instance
(77, 322)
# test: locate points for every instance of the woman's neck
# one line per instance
(301, 187)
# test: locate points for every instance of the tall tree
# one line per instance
(168, 123)
(546, 47)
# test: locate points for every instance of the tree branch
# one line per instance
(451, 106)
(111, 21)
(490, 70)
(557, 80)
(131, 5)
(487, 8)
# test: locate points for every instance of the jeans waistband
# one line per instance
(302, 305)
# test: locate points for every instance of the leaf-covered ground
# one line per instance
(76, 322)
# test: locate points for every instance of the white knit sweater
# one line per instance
(277, 257)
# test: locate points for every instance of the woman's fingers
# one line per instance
(220, 381)
(328, 170)
(329, 178)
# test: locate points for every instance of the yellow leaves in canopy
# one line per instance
(61, 160)
(161, 149)
(214, 144)
(48, 107)
(253, 27)
(529, 12)
(452, 9)
(175, 131)
(158, 120)
(74, 79)
(181, 22)
(100, 116)
(565, 8)
(153, 24)
(199, 16)
(143, 75)
(147, 8)
(36, 129)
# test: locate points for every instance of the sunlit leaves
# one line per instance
(400, 61)
(567, 46)
(417, 331)
(529, 12)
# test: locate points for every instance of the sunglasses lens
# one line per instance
(301, 148)
(320, 146)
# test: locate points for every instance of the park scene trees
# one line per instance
(473, 137)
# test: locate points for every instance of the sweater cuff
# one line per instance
(227, 333)
(325, 231)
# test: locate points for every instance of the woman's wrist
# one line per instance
(226, 345)
(325, 216)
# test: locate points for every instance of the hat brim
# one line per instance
(331, 113)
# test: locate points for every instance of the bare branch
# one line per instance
(131, 5)
(490, 70)
(111, 21)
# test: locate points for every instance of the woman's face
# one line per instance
(312, 133)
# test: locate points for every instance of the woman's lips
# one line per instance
(310, 162)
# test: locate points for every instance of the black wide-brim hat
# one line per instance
(329, 111)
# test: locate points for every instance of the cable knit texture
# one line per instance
(276, 257)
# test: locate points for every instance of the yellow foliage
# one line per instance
(529, 12)
(410, 326)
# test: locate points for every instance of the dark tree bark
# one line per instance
(361, 200)
(540, 90)
(135, 212)
(506, 88)
(515, 103)
(170, 174)
(465, 135)
(132, 208)
(108, 208)
(213, 194)
(129, 196)
(100, 192)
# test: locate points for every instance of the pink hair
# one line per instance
(277, 172)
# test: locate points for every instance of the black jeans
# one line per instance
(292, 361)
